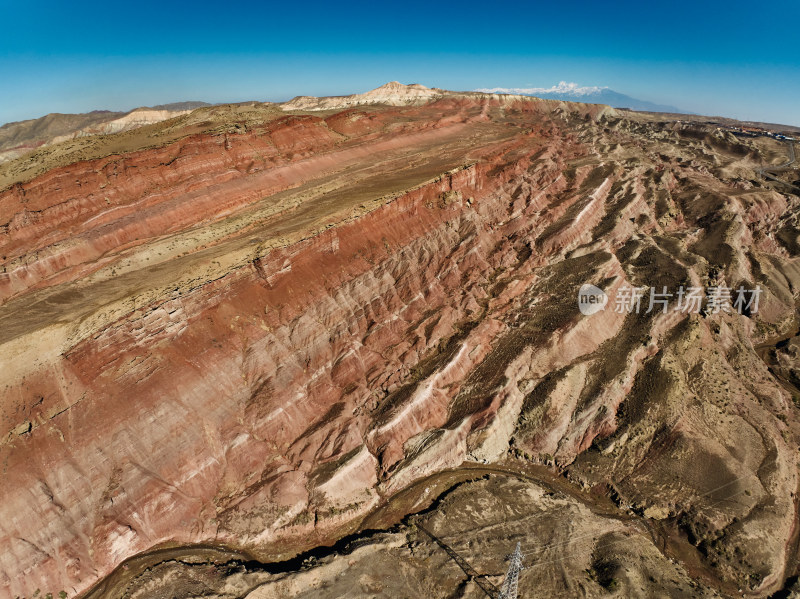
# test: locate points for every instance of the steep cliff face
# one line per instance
(257, 338)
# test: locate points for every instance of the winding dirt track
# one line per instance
(664, 534)
(767, 172)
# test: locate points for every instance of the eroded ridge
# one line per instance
(265, 338)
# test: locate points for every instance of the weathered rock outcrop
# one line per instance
(255, 338)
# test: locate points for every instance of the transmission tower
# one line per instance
(509, 589)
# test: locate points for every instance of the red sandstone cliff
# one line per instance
(254, 338)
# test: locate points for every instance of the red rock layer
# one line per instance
(226, 412)
(273, 404)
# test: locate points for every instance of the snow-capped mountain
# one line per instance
(591, 94)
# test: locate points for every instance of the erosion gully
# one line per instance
(418, 497)
(424, 494)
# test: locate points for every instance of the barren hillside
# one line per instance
(259, 350)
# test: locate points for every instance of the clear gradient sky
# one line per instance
(729, 58)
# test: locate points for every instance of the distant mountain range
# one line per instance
(572, 92)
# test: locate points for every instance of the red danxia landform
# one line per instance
(259, 350)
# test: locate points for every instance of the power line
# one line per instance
(486, 586)
(510, 586)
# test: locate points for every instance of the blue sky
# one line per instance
(721, 58)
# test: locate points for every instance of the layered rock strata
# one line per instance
(254, 339)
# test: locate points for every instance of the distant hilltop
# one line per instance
(393, 93)
(20, 137)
